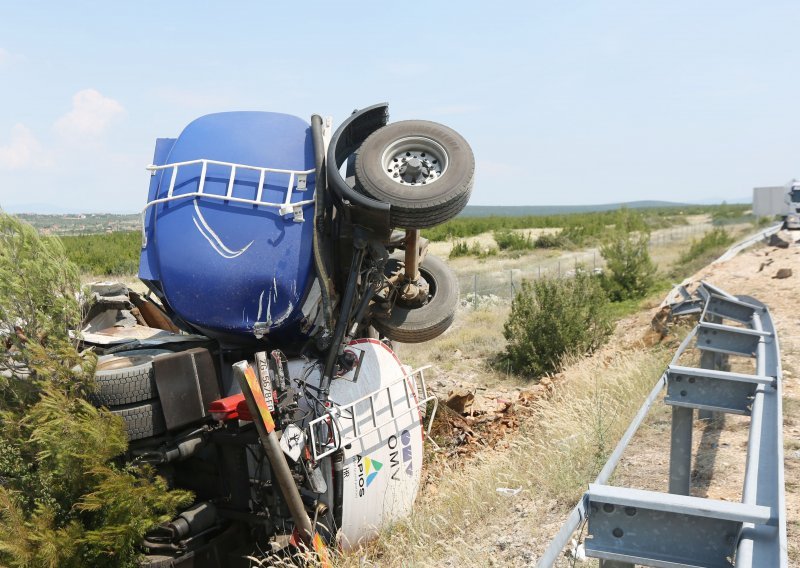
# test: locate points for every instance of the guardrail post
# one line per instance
(711, 360)
(708, 360)
(680, 454)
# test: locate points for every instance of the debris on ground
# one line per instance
(783, 273)
(776, 241)
(460, 400)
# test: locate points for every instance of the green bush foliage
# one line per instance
(578, 227)
(726, 214)
(460, 248)
(710, 244)
(546, 241)
(66, 499)
(109, 254)
(552, 318)
(511, 240)
(630, 272)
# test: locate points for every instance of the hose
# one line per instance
(319, 218)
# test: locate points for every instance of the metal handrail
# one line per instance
(347, 412)
(298, 178)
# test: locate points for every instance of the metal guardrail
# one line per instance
(630, 526)
(748, 242)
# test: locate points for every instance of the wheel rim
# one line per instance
(415, 160)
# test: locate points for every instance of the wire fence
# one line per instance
(489, 287)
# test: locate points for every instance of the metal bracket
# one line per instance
(728, 339)
(708, 389)
(301, 182)
(735, 310)
(629, 525)
(295, 210)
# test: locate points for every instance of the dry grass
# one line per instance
(559, 448)
(466, 352)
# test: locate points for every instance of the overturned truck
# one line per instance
(281, 260)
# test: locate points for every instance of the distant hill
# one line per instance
(524, 210)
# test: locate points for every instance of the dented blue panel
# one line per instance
(233, 269)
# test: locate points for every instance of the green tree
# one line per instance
(551, 318)
(630, 272)
(66, 497)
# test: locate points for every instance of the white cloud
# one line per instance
(90, 115)
(23, 150)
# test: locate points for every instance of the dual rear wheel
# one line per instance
(425, 171)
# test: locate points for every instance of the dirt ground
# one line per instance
(515, 529)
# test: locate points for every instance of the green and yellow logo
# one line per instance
(368, 469)
(371, 469)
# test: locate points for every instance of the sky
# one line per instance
(563, 103)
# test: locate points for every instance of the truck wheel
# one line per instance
(142, 419)
(424, 170)
(126, 377)
(415, 324)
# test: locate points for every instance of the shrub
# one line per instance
(510, 240)
(109, 254)
(550, 241)
(460, 248)
(552, 318)
(726, 214)
(630, 272)
(711, 243)
(65, 500)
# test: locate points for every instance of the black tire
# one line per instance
(126, 377)
(423, 323)
(142, 420)
(424, 204)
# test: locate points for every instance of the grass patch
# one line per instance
(701, 252)
(619, 310)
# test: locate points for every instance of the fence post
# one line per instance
(511, 280)
(559, 268)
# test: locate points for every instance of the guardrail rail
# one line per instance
(627, 527)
